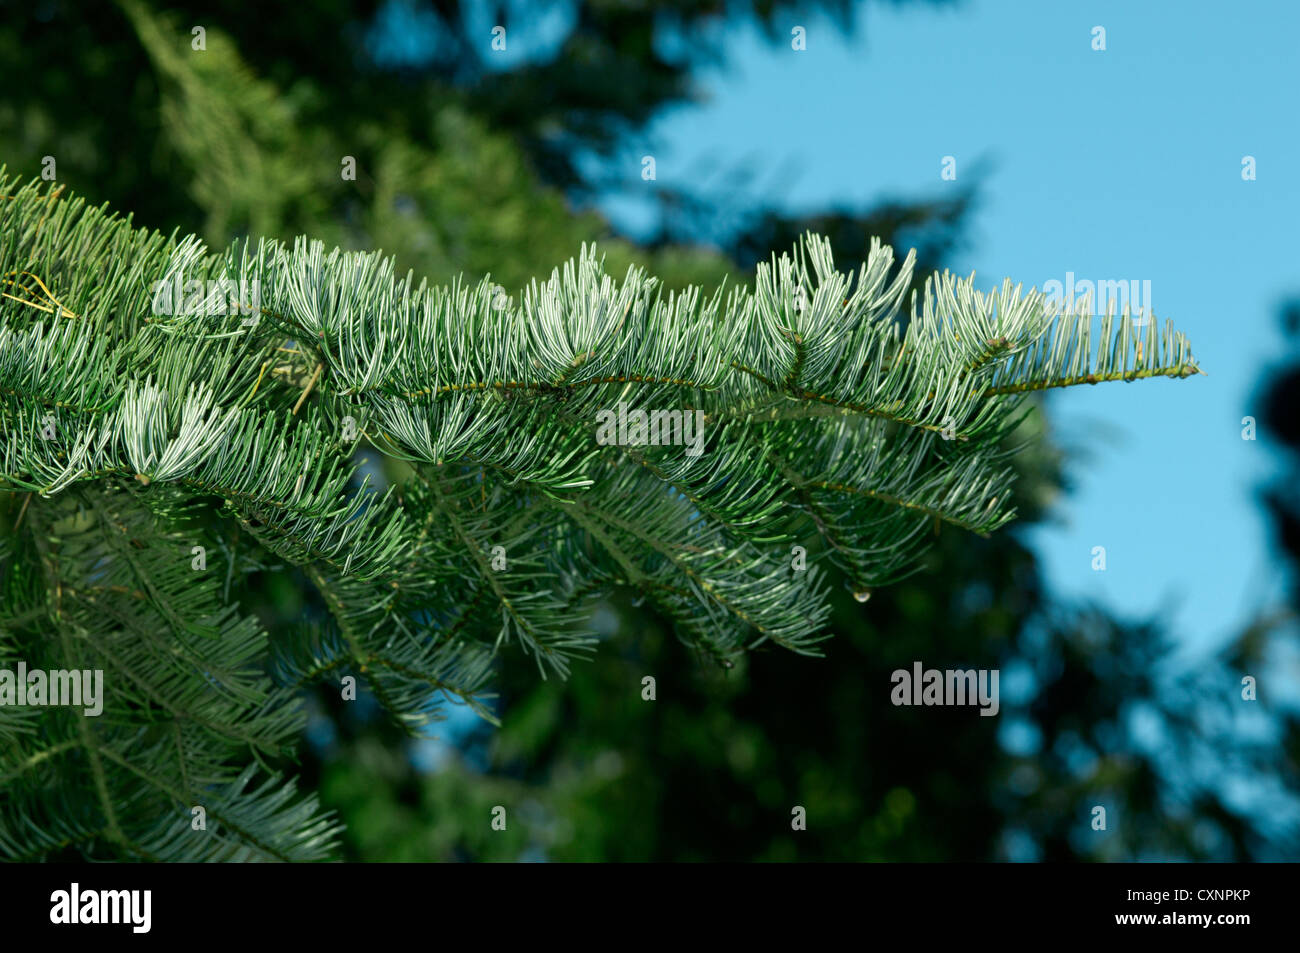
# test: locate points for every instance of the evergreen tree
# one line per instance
(176, 420)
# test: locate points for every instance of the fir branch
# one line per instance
(829, 418)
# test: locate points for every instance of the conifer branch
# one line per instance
(584, 434)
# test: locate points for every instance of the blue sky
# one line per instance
(1116, 164)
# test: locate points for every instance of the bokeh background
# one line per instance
(1120, 688)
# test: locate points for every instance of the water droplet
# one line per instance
(862, 595)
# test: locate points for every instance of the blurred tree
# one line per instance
(1281, 419)
(573, 78)
(229, 143)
